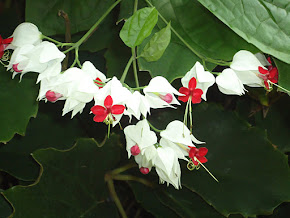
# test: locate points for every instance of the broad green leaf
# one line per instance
(18, 103)
(5, 208)
(148, 198)
(71, 182)
(139, 26)
(176, 61)
(244, 162)
(49, 129)
(240, 157)
(264, 23)
(155, 48)
(186, 203)
(82, 14)
(284, 74)
(277, 123)
(200, 29)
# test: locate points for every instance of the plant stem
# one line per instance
(132, 178)
(123, 168)
(88, 34)
(152, 127)
(115, 198)
(126, 70)
(135, 67)
(218, 62)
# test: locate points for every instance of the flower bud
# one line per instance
(135, 150)
(52, 96)
(144, 170)
(167, 98)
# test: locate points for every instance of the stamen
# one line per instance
(207, 170)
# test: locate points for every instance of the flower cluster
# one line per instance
(113, 98)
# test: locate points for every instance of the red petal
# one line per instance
(192, 83)
(262, 70)
(196, 96)
(273, 77)
(185, 91)
(1, 54)
(269, 60)
(202, 151)
(266, 84)
(192, 152)
(108, 101)
(202, 159)
(100, 118)
(117, 109)
(194, 162)
(99, 110)
(7, 41)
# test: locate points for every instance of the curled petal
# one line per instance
(108, 101)
(118, 109)
(262, 70)
(99, 110)
(273, 77)
(202, 159)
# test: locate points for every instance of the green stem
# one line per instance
(51, 39)
(135, 67)
(219, 62)
(115, 198)
(132, 178)
(135, 5)
(126, 70)
(152, 127)
(88, 34)
(123, 168)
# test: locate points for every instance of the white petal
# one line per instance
(245, 61)
(26, 33)
(161, 85)
(228, 83)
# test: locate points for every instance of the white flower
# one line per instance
(228, 83)
(178, 133)
(204, 78)
(25, 34)
(137, 104)
(94, 73)
(139, 135)
(29, 58)
(245, 64)
(114, 88)
(159, 93)
(77, 87)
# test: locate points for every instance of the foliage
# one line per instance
(55, 166)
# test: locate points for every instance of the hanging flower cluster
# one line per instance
(78, 86)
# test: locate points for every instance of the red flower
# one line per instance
(3, 44)
(101, 113)
(269, 75)
(191, 91)
(199, 154)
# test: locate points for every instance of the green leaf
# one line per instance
(284, 74)
(5, 208)
(174, 63)
(277, 123)
(200, 29)
(186, 203)
(139, 26)
(263, 23)
(253, 176)
(71, 182)
(49, 129)
(148, 198)
(155, 48)
(82, 14)
(18, 103)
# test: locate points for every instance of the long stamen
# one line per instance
(190, 116)
(279, 86)
(206, 169)
(185, 115)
